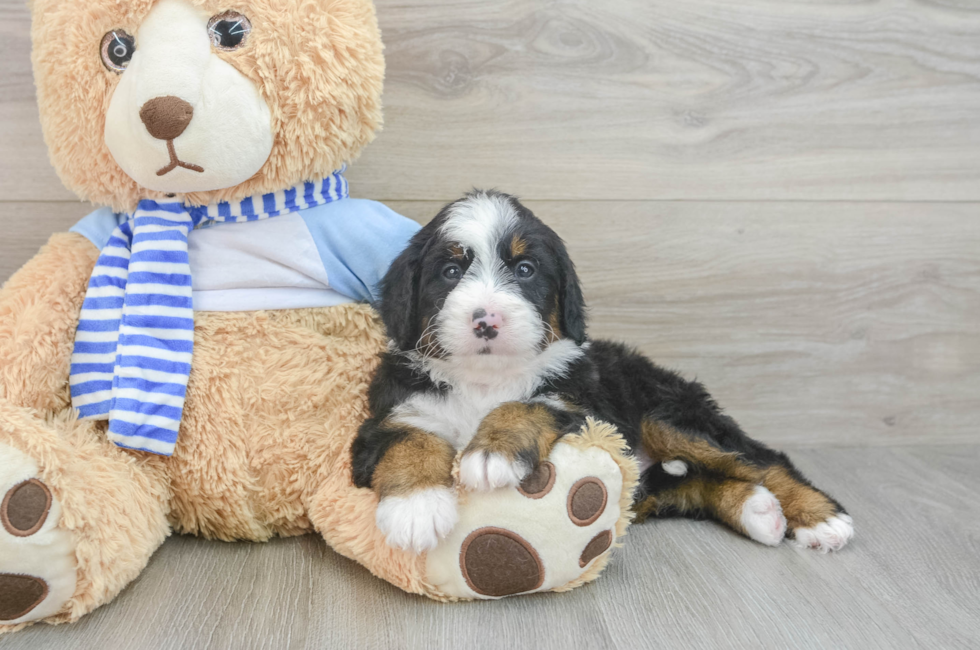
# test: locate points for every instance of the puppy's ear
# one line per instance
(571, 304)
(400, 294)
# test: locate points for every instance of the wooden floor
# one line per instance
(780, 198)
(910, 579)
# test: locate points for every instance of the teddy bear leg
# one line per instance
(345, 516)
(79, 517)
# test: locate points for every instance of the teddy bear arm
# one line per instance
(39, 310)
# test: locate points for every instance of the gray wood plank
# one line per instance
(25, 173)
(28, 225)
(909, 579)
(640, 99)
(812, 323)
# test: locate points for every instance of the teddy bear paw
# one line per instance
(544, 533)
(37, 558)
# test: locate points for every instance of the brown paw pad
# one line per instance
(539, 482)
(498, 562)
(19, 595)
(596, 547)
(586, 501)
(25, 507)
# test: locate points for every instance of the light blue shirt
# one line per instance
(324, 255)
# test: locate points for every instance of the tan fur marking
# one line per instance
(417, 461)
(457, 251)
(662, 442)
(554, 322)
(517, 246)
(514, 427)
(803, 506)
(721, 498)
(721, 493)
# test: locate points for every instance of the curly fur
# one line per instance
(275, 397)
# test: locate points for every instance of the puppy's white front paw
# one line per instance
(762, 517)
(483, 471)
(417, 521)
(830, 535)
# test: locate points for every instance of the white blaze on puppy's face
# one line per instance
(228, 136)
(479, 224)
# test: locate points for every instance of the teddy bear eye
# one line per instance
(229, 30)
(117, 50)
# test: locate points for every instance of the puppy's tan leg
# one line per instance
(417, 461)
(814, 519)
(745, 507)
(413, 481)
(693, 477)
(509, 443)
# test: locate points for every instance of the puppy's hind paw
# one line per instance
(417, 521)
(833, 534)
(482, 471)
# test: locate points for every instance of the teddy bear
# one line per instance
(194, 355)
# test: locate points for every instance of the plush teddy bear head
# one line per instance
(204, 99)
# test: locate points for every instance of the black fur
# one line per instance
(610, 381)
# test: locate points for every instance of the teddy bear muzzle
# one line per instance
(165, 118)
(181, 118)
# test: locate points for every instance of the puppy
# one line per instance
(489, 355)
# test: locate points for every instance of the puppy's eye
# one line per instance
(117, 50)
(452, 272)
(524, 270)
(229, 30)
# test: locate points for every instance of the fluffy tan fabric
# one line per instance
(274, 398)
(317, 63)
(274, 401)
(113, 502)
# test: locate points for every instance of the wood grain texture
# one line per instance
(640, 99)
(25, 172)
(815, 321)
(812, 323)
(29, 224)
(657, 99)
(909, 579)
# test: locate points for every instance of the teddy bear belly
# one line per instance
(274, 400)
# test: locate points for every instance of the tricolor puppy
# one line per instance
(489, 354)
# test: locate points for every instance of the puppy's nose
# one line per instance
(166, 117)
(485, 325)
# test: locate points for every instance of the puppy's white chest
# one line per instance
(455, 416)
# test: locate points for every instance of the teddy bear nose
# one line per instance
(166, 117)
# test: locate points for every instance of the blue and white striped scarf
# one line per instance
(135, 336)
